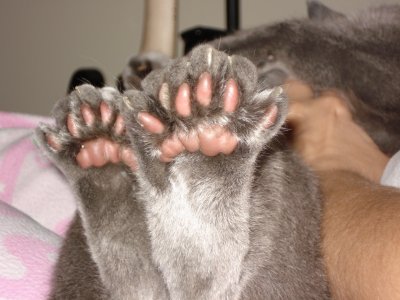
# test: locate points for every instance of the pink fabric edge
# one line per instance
(18, 120)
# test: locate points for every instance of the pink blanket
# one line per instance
(36, 206)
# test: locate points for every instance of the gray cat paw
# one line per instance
(89, 130)
(139, 67)
(208, 102)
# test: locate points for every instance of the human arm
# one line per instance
(361, 236)
(361, 224)
(326, 136)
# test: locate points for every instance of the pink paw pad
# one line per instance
(210, 140)
(99, 151)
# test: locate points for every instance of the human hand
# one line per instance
(326, 136)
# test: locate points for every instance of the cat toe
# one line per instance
(89, 128)
(208, 103)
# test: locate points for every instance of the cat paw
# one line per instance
(207, 102)
(89, 130)
(139, 66)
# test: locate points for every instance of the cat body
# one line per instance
(237, 225)
(240, 225)
(358, 55)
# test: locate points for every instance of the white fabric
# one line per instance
(391, 174)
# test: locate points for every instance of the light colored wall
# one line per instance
(43, 42)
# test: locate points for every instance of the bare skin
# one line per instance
(361, 228)
(361, 236)
(327, 137)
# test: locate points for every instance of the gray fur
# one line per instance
(239, 226)
(357, 54)
(253, 230)
(319, 12)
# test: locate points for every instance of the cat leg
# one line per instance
(88, 143)
(197, 129)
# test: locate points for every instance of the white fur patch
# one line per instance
(184, 237)
(108, 93)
